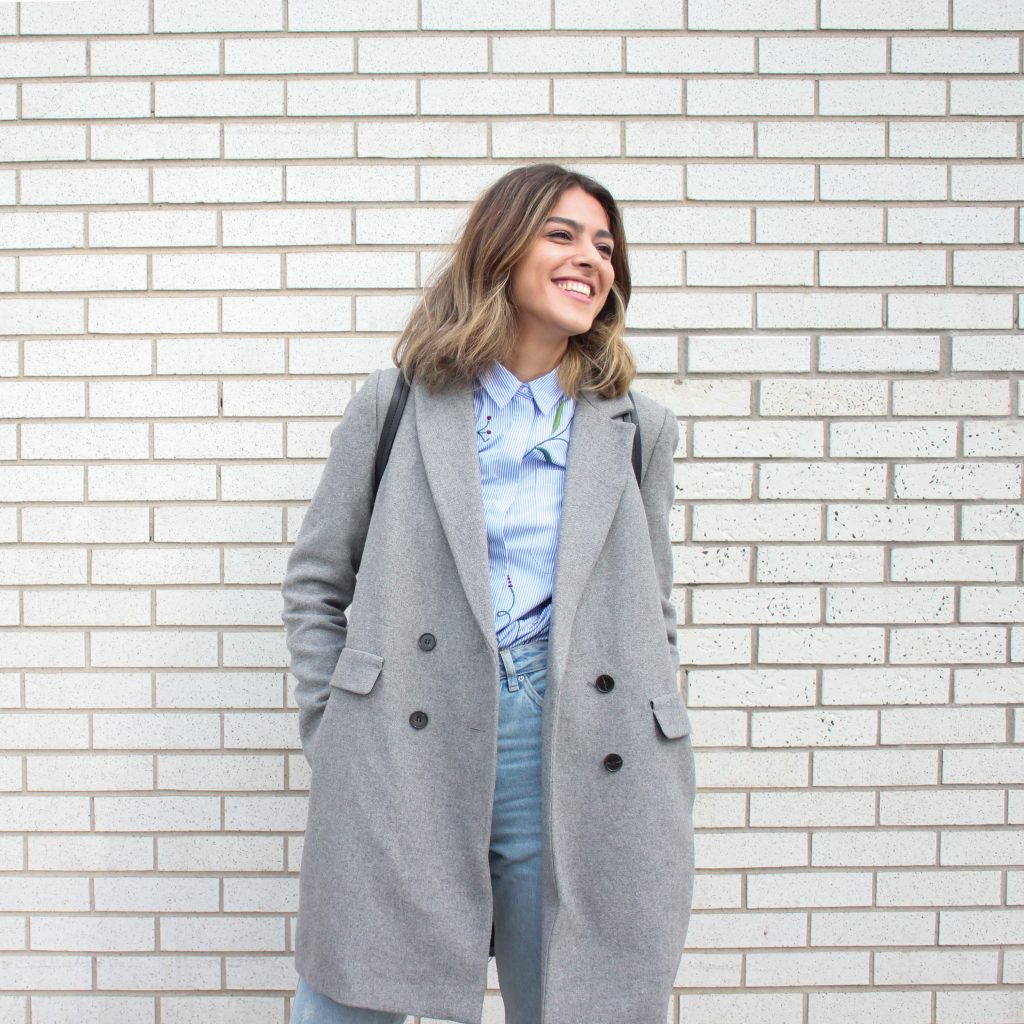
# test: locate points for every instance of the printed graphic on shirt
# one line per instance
(523, 433)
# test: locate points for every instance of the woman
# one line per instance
(494, 726)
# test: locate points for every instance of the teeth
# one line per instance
(574, 286)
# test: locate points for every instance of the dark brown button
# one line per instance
(418, 719)
(604, 683)
(612, 762)
(427, 642)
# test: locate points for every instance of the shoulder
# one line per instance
(659, 427)
(372, 396)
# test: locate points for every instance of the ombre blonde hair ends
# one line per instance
(465, 317)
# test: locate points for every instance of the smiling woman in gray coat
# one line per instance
(486, 650)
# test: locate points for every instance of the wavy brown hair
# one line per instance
(466, 318)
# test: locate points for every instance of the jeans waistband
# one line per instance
(526, 657)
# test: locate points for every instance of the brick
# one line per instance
(426, 55)
(819, 139)
(30, 59)
(782, 397)
(955, 140)
(877, 768)
(820, 309)
(803, 55)
(987, 352)
(110, 57)
(948, 563)
(940, 807)
(877, 14)
(85, 18)
(986, 182)
(350, 96)
(229, 16)
(710, 267)
(85, 99)
(679, 54)
(288, 140)
(326, 16)
(745, 354)
(847, 480)
(876, 928)
(848, 97)
(84, 525)
(982, 96)
(955, 55)
(753, 182)
(806, 225)
(887, 685)
(986, 15)
(951, 398)
(888, 604)
(883, 182)
(219, 98)
(607, 14)
(88, 933)
(950, 225)
(407, 139)
(550, 139)
(719, 96)
(938, 966)
(153, 228)
(800, 563)
(225, 356)
(503, 96)
(217, 184)
(615, 96)
(141, 566)
(897, 354)
(280, 55)
(989, 267)
(955, 309)
(689, 138)
(808, 889)
(750, 15)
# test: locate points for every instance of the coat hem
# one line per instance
(391, 999)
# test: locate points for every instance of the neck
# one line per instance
(530, 361)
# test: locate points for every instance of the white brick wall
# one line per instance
(214, 219)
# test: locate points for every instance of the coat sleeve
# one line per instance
(658, 490)
(321, 572)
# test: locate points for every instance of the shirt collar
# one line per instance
(501, 384)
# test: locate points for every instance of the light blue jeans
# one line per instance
(516, 853)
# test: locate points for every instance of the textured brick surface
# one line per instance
(214, 219)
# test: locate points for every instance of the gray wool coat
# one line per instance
(389, 618)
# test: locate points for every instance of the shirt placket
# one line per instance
(515, 454)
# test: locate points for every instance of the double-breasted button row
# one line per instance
(426, 642)
(605, 684)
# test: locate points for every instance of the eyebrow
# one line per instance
(573, 224)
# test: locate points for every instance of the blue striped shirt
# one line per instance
(522, 442)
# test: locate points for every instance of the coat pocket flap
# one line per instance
(356, 671)
(671, 714)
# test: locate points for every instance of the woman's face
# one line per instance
(572, 251)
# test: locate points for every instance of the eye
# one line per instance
(605, 248)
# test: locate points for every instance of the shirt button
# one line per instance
(613, 762)
(427, 642)
(418, 719)
(604, 682)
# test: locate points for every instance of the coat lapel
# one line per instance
(597, 468)
(446, 428)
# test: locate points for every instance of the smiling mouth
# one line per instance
(578, 296)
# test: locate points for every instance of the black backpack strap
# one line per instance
(387, 434)
(631, 416)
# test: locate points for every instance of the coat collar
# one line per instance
(596, 472)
